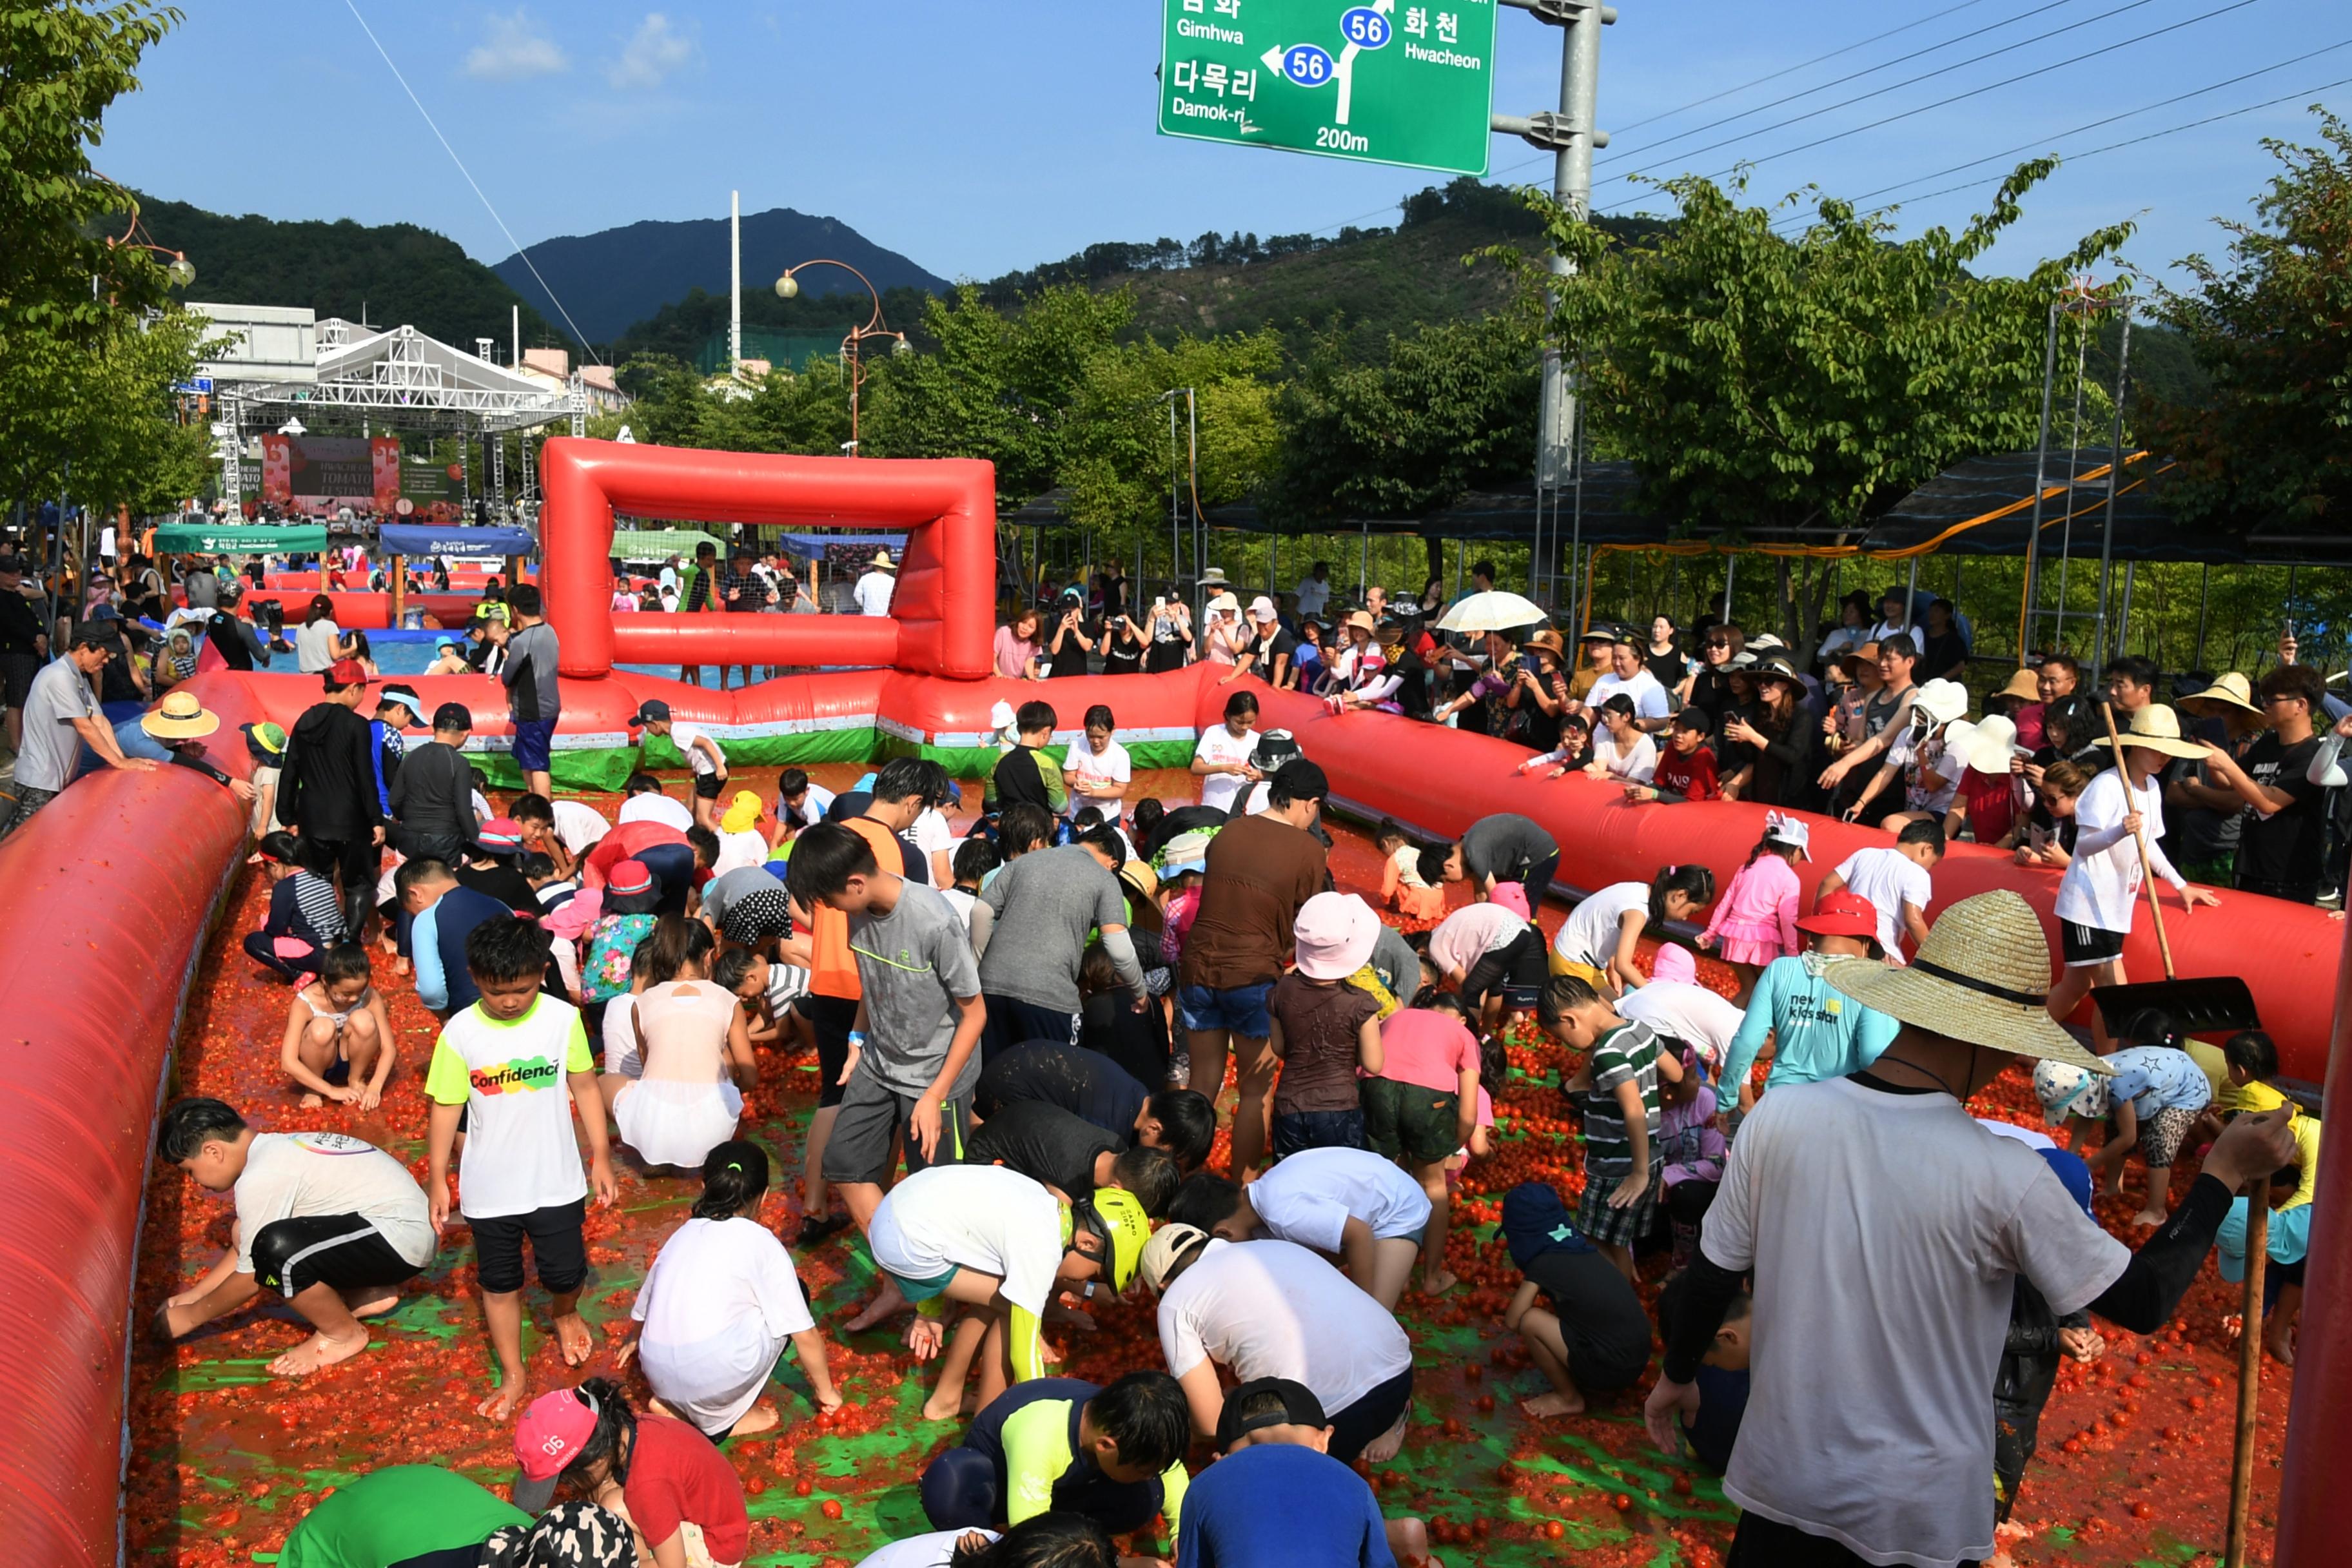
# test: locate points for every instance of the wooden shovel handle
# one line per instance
(2250, 1373)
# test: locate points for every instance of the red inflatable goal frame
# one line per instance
(943, 614)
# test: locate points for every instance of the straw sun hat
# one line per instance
(2231, 690)
(181, 718)
(1981, 977)
(2157, 728)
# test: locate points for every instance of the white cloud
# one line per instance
(514, 49)
(653, 56)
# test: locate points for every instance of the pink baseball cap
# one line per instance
(1335, 933)
(1675, 963)
(1511, 896)
(553, 1429)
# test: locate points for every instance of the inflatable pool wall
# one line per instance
(117, 882)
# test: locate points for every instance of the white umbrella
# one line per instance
(1494, 611)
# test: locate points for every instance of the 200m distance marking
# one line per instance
(1341, 141)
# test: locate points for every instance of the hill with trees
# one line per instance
(394, 273)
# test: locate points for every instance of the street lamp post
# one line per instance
(789, 286)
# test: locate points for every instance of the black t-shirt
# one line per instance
(1942, 650)
(1077, 1081)
(1070, 659)
(1138, 1042)
(504, 883)
(1121, 654)
(1505, 846)
(1016, 778)
(1667, 668)
(1044, 1143)
(1280, 644)
(1711, 692)
(1608, 1333)
(2289, 846)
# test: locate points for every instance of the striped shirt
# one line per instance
(1626, 1054)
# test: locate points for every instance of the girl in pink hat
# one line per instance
(1323, 1028)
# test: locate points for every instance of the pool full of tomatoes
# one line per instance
(225, 1459)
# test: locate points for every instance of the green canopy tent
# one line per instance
(239, 539)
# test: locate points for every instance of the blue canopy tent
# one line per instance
(424, 539)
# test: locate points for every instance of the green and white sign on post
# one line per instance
(1380, 82)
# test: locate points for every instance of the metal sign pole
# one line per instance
(2041, 478)
(2115, 484)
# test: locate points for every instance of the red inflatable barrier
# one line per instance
(112, 891)
(115, 882)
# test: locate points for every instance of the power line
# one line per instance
(1944, 102)
(1886, 65)
(2091, 125)
(436, 129)
(2154, 135)
(1911, 81)
(1802, 65)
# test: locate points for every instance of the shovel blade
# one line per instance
(2206, 1003)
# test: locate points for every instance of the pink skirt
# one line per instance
(1755, 942)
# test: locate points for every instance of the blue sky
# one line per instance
(977, 136)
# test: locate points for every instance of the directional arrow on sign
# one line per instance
(1272, 58)
(1346, 68)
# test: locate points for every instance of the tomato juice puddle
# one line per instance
(224, 1457)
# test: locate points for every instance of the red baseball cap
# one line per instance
(347, 673)
(629, 877)
(1843, 914)
(553, 1429)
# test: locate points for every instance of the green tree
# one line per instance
(1765, 382)
(2271, 445)
(103, 404)
(1449, 408)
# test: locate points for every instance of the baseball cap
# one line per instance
(347, 673)
(1169, 1244)
(653, 711)
(453, 716)
(1261, 608)
(13, 565)
(553, 1429)
(96, 634)
(499, 835)
(1299, 1408)
(743, 813)
(1841, 914)
(405, 695)
(628, 878)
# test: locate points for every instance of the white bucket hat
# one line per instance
(1941, 700)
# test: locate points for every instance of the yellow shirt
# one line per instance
(2306, 1155)
(2228, 1097)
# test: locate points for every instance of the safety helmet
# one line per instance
(1116, 1216)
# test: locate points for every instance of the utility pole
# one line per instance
(1571, 135)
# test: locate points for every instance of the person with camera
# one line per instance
(1068, 645)
(1171, 623)
(1125, 643)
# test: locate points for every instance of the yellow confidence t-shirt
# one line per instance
(520, 1154)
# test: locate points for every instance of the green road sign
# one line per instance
(1380, 82)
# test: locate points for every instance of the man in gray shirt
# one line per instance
(529, 675)
(61, 713)
(1031, 927)
(913, 1051)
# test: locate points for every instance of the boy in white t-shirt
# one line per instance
(1096, 769)
(332, 1224)
(1348, 1203)
(506, 1071)
(701, 752)
(1895, 882)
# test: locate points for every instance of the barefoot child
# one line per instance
(1594, 1336)
(2149, 1104)
(1618, 1087)
(1422, 1106)
(339, 1044)
(330, 1224)
(504, 1064)
(718, 1305)
(992, 1240)
(1347, 1204)
(1756, 919)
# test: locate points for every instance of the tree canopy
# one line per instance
(2271, 443)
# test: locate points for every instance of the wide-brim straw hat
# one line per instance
(2025, 685)
(181, 718)
(1981, 977)
(2230, 691)
(883, 562)
(2157, 728)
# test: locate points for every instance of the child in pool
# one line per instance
(338, 1043)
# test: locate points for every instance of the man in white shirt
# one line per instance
(873, 589)
(1315, 591)
(1880, 1220)
(1651, 710)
